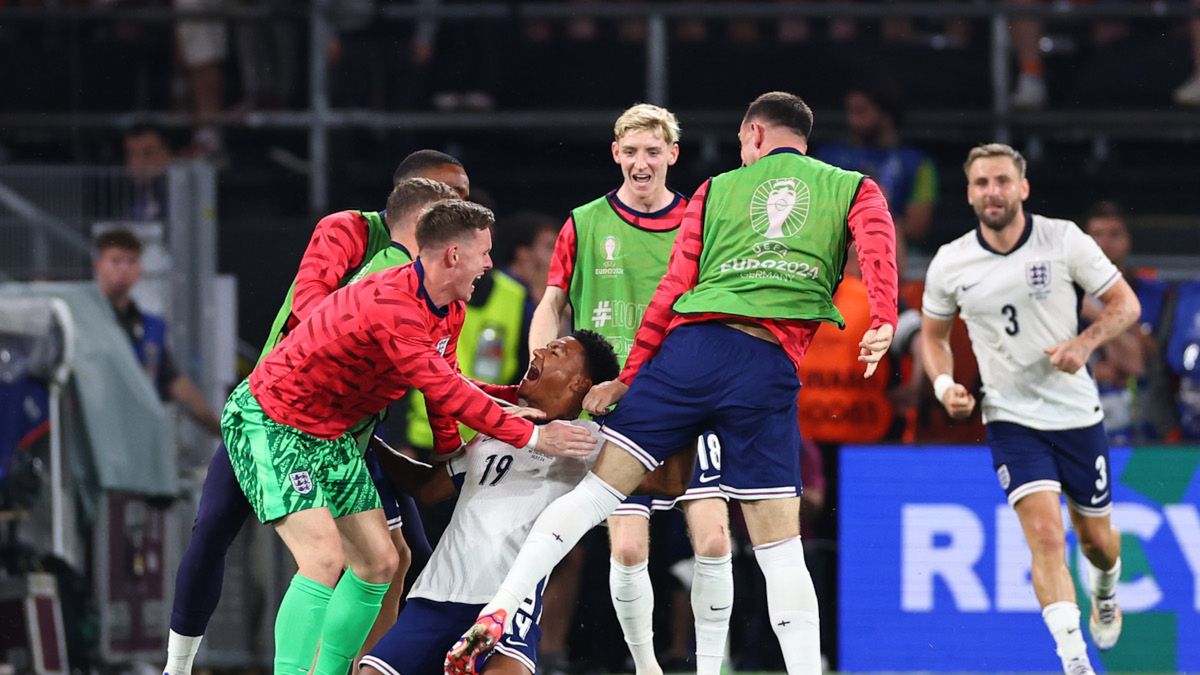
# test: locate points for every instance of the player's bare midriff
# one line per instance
(754, 329)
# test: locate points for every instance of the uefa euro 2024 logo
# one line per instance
(779, 207)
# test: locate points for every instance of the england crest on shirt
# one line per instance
(441, 346)
(1037, 275)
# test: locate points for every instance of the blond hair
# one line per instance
(647, 117)
(995, 150)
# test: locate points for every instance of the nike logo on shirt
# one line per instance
(1096, 499)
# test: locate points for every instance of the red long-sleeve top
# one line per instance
(363, 347)
(338, 244)
(874, 237)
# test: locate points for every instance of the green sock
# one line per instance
(298, 625)
(352, 610)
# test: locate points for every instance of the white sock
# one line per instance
(181, 651)
(1062, 618)
(1104, 582)
(712, 603)
(554, 534)
(633, 599)
(792, 604)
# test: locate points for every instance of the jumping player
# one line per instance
(610, 255)
(750, 278)
(1013, 279)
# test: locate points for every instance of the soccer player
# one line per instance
(1014, 280)
(341, 245)
(288, 428)
(473, 553)
(750, 279)
(610, 255)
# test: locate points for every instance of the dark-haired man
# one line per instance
(147, 157)
(436, 165)
(117, 267)
(288, 428)
(473, 553)
(750, 279)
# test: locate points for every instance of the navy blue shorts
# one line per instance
(710, 377)
(387, 493)
(1071, 461)
(426, 629)
(706, 482)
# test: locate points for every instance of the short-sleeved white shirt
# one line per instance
(504, 490)
(1017, 304)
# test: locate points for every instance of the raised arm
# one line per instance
(338, 244)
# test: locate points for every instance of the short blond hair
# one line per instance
(995, 150)
(647, 117)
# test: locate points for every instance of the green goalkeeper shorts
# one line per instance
(283, 470)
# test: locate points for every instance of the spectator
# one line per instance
(269, 59)
(1130, 371)
(117, 267)
(1188, 93)
(874, 113)
(201, 45)
(1026, 35)
(147, 156)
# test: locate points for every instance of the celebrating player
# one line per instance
(1013, 279)
(473, 553)
(609, 257)
(342, 244)
(750, 278)
(288, 428)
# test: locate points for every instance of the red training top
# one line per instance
(363, 347)
(874, 236)
(338, 244)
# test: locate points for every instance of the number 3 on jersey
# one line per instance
(1010, 313)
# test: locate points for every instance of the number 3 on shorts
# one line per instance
(1102, 469)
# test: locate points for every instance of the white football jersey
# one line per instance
(1016, 305)
(504, 490)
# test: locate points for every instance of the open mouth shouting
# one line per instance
(535, 369)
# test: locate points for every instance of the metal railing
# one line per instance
(320, 117)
